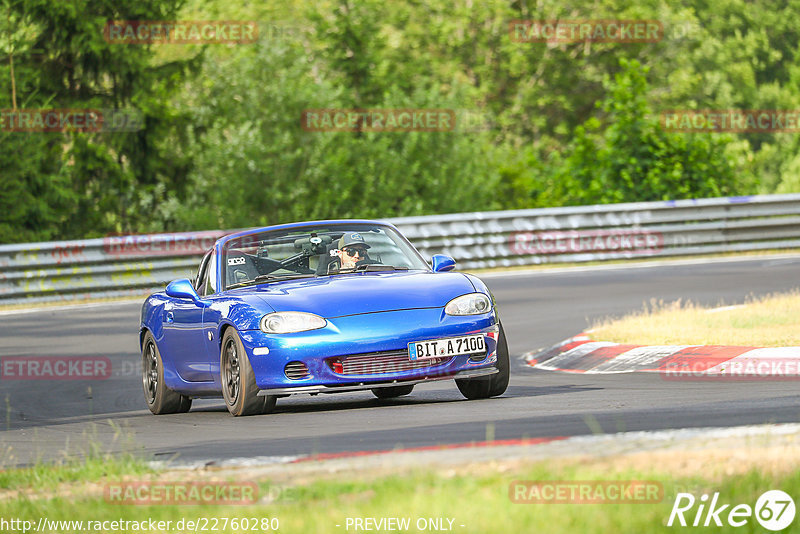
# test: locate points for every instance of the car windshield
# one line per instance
(311, 251)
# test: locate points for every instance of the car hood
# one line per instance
(350, 294)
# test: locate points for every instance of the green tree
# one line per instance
(35, 196)
(64, 61)
(568, 122)
(262, 168)
(627, 156)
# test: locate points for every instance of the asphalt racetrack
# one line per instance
(44, 418)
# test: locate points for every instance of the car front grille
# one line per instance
(374, 363)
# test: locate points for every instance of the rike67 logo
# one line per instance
(774, 510)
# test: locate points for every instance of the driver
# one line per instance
(352, 250)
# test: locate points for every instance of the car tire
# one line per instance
(238, 380)
(490, 386)
(159, 398)
(392, 392)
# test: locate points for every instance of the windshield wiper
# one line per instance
(260, 279)
(377, 267)
(373, 268)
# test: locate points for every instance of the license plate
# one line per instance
(442, 348)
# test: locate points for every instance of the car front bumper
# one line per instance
(364, 335)
(314, 390)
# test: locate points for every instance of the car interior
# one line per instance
(311, 255)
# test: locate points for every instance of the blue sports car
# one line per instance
(318, 307)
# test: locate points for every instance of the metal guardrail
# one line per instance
(117, 265)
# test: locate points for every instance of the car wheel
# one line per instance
(159, 398)
(390, 393)
(238, 380)
(490, 386)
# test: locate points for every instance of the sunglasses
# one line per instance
(352, 251)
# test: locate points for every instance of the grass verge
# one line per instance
(44, 477)
(770, 321)
(467, 498)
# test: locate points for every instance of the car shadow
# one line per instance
(304, 404)
(336, 405)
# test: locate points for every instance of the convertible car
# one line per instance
(318, 307)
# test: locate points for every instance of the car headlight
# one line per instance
(288, 322)
(469, 304)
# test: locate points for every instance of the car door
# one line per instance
(184, 335)
(208, 357)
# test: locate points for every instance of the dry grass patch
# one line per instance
(771, 321)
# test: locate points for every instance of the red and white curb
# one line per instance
(582, 354)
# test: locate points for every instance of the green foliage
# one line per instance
(627, 156)
(76, 184)
(222, 147)
(35, 197)
(256, 165)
